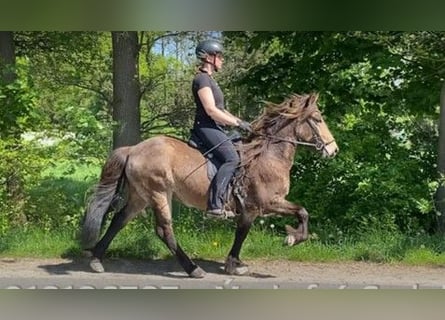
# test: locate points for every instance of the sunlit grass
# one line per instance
(138, 241)
(423, 256)
(37, 243)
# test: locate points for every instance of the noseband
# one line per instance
(319, 144)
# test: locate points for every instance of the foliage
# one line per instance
(18, 100)
(44, 123)
(21, 164)
(166, 73)
(18, 159)
(379, 96)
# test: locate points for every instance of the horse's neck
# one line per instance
(283, 151)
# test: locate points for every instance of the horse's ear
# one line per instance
(312, 99)
(308, 101)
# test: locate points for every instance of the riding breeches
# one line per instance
(226, 154)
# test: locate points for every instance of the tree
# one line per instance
(7, 57)
(126, 89)
(7, 76)
(15, 102)
(167, 67)
(440, 194)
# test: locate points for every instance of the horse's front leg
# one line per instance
(284, 207)
(234, 265)
(300, 234)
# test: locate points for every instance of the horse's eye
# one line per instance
(317, 117)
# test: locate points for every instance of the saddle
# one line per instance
(234, 189)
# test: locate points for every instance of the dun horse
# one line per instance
(155, 171)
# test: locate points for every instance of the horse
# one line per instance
(155, 171)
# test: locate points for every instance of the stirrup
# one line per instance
(219, 214)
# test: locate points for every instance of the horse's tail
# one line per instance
(111, 181)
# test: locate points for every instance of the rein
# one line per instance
(318, 144)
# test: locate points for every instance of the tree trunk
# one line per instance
(126, 89)
(14, 184)
(7, 57)
(440, 193)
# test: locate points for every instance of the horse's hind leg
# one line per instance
(120, 219)
(164, 230)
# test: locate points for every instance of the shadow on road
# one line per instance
(166, 268)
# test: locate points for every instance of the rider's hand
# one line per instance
(245, 126)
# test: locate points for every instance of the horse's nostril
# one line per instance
(333, 153)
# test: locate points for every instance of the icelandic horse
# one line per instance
(162, 168)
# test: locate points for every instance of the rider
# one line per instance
(211, 119)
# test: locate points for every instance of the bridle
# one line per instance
(318, 143)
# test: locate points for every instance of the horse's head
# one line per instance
(296, 120)
(311, 127)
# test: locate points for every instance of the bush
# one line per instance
(21, 170)
(378, 181)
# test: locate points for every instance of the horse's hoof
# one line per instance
(96, 265)
(197, 273)
(290, 240)
(235, 267)
(293, 236)
(241, 271)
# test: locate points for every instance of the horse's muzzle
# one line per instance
(330, 150)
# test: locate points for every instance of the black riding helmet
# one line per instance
(208, 47)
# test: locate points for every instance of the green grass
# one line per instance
(36, 243)
(423, 256)
(139, 241)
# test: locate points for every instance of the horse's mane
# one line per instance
(274, 118)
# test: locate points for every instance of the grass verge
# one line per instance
(139, 241)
